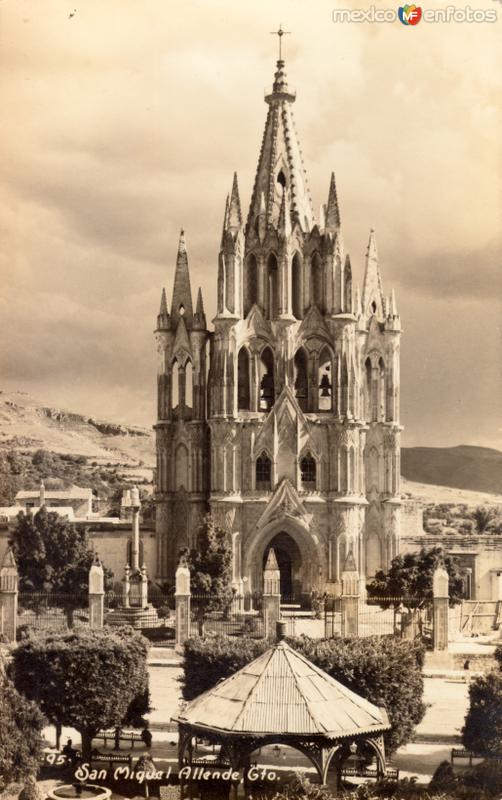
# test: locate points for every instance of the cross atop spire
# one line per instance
(280, 33)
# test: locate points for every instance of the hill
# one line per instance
(476, 469)
(38, 441)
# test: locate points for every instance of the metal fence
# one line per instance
(225, 616)
(52, 611)
(402, 617)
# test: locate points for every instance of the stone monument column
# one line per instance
(440, 591)
(96, 595)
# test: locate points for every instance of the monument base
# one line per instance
(135, 617)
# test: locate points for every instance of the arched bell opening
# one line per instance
(326, 380)
(243, 381)
(272, 287)
(263, 472)
(301, 382)
(251, 284)
(266, 397)
(297, 286)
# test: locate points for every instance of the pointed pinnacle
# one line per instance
(332, 209)
(234, 216)
(322, 216)
(372, 251)
(163, 304)
(200, 305)
(182, 244)
(271, 562)
(225, 218)
(181, 304)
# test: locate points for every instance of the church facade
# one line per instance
(284, 420)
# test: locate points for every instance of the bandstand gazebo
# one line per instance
(280, 698)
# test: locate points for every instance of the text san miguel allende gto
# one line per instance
(85, 773)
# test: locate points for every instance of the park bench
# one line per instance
(111, 759)
(459, 754)
(391, 774)
(130, 737)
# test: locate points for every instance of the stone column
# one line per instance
(9, 581)
(440, 591)
(96, 595)
(271, 595)
(350, 597)
(135, 505)
(182, 598)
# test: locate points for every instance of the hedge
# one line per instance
(384, 670)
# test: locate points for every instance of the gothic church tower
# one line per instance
(294, 441)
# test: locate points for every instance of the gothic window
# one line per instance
(301, 378)
(251, 292)
(267, 387)
(263, 472)
(308, 472)
(368, 390)
(272, 287)
(189, 385)
(347, 289)
(297, 287)
(344, 388)
(381, 390)
(317, 282)
(373, 307)
(327, 399)
(175, 388)
(281, 178)
(243, 393)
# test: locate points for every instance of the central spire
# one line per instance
(280, 166)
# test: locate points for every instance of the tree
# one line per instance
(20, 734)
(482, 731)
(483, 516)
(90, 677)
(382, 669)
(52, 555)
(410, 577)
(210, 564)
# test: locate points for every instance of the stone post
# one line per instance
(271, 595)
(349, 600)
(136, 505)
(9, 581)
(182, 598)
(440, 591)
(96, 595)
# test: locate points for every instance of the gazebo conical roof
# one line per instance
(282, 693)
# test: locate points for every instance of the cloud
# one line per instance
(126, 123)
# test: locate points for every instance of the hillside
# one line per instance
(86, 451)
(464, 467)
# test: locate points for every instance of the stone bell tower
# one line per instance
(297, 447)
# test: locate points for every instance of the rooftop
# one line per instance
(281, 692)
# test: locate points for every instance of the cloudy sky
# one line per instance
(126, 120)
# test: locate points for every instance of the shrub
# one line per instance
(383, 670)
(482, 731)
(91, 679)
(20, 740)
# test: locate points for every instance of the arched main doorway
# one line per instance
(289, 561)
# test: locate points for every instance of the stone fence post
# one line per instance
(9, 581)
(182, 599)
(440, 591)
(271, 595)
(349, 599)
(96, 595)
